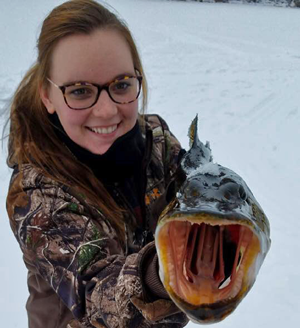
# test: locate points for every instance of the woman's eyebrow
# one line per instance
(117, 77)
(69, 83)
(123, 75)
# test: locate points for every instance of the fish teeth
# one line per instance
(184, 271)
(242, 251)
(225, 283)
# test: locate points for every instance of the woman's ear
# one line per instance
(44, 94)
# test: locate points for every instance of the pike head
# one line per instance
(212, 238)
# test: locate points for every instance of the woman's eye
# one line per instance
(120, 87)
(82, 92)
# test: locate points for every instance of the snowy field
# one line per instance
(238, 67)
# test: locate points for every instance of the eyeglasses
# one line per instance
(83, 95)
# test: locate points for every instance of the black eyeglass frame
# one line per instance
(99, 89)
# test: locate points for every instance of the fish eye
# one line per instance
(227, 195)
(227, 180)
(242, 193)
(192, 189)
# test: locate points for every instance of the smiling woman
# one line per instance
(89, 176)
(103, 56)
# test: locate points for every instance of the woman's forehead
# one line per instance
(96, 57)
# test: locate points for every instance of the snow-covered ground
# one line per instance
(238, 67)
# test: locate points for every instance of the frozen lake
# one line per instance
(238, 67)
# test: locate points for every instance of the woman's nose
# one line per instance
(105, 107)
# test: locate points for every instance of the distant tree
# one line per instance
(297, 3)
(293, 3)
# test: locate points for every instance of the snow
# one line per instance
(208, 168)
(238, 67)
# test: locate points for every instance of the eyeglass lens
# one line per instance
(84, 96)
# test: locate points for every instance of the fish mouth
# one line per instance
(207, 260)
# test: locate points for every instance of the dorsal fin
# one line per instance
(199, 153)
(193, 131)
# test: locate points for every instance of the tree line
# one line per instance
(288, 3)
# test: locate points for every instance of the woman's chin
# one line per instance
(99, 150)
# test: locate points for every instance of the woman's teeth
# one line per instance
(104, 130)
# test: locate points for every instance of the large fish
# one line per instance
(212, 238)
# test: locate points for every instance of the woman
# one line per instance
(89, 177)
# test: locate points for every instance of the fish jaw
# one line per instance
(208, 263)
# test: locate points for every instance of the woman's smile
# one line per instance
(104, 130)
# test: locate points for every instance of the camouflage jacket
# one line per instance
(79, 275)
